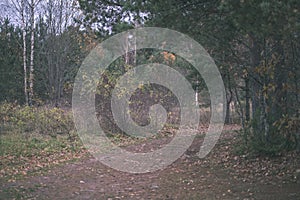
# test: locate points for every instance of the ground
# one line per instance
(223, 174)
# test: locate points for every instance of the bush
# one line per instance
(283, 135)
(289, 127)
(41, 120)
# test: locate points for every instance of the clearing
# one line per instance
(223, 174)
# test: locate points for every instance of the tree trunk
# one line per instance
(24, 51)
(229, 96)
(264, 119)
(31, 71)
(256, 84)
(227, 118)
(247, 90)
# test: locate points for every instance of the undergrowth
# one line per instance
(35, 138)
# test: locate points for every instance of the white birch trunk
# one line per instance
(31, 68)
(24, 51)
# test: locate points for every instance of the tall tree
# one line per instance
(22, 11)
(21, 7)
(27, 10)
(11, 71)
(33, 4)
(59, 52)
(256, 40)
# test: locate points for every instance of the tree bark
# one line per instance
(24, 51)
(31, 68)
(247, 91)
(229, 97)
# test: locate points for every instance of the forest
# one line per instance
(255, 46)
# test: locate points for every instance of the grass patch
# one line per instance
(23, 154)
(35, 138)
(15, 144)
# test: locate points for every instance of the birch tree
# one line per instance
(26, 11)
(33, 4)
(22, 11)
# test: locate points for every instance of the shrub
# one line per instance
(283, 135)
(41, 120)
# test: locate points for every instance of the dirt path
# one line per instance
(221, 175)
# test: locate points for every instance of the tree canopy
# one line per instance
(254, 43)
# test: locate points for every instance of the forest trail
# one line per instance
(221, 175)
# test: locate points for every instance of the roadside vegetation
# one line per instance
(34, 138)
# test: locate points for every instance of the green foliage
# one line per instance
(11, 76)
(282, 136)
(34, 138)
(58, 57)
(31, 153)
(289, 127)
(25, 119)
(271, 147)
(16, 144)
(253, 40)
